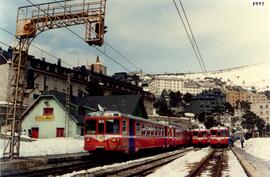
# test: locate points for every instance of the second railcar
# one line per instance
(200, 137)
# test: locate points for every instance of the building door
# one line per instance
(59, 132)
(34, 132)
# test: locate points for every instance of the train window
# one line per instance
(223, 133)
(163, 131)
(112, 126)
(90, 126)
(100, 126)
(156, 131)
(214, 132)
(195, 133)
(148, 129)
(143, 129)
(204, 134)
(138, 128)
(152, 130)
(124, 127)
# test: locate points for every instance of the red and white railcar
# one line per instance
(114, 131)
(200, 137)
(219, 137)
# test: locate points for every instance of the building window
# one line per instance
(46, 88)
(47, 111)
(35, 96)
(82, 131)
(59, 132)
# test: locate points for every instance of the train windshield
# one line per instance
(90, 127)
(112, 126)
(204, 134)
(195, 133)
(213, 132)
(224, 133)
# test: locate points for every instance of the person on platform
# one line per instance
(242, 140)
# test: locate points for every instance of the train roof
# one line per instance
(219, 128)
(119, 114)
(202, 130)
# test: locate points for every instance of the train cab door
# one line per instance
(131, 136)
(166, 135)
(174, 137)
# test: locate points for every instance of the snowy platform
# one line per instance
(254, 166)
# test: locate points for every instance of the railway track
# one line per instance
(63, 167)
(141, 168)
(213, 163)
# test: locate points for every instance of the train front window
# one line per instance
(224, 133)
(204, 134)
(195, 133)
(214, 132)
(90, 126)
(112, 126)
(101, 126)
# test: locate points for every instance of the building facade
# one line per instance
(158, 84)
(237, 95)
(262, 109)
(42, 76)
(207, 102)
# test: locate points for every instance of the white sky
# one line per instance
(149, 32)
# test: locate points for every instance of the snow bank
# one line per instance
(258, 147)
(180, 166)
(43, 147)
(234, 167)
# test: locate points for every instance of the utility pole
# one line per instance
(67, 105)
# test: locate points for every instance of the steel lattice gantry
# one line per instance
(31, 21)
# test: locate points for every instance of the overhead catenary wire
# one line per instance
(112, 59)
(3, 29)
(108, 44)
(189, 37)
(195, 42)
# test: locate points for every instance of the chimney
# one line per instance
(59, 62)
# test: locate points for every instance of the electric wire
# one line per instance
(106, 43)
(112, 59)
(181, 18)
(3, 29)
(192, 34)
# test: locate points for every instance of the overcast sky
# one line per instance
(229, 33)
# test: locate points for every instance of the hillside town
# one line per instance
(70, 105)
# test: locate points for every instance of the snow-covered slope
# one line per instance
(257, 76)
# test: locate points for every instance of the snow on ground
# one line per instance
(43, 147)
(234, 167)
(258, 147)
(180, 167)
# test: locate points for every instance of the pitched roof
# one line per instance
(122, 103)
